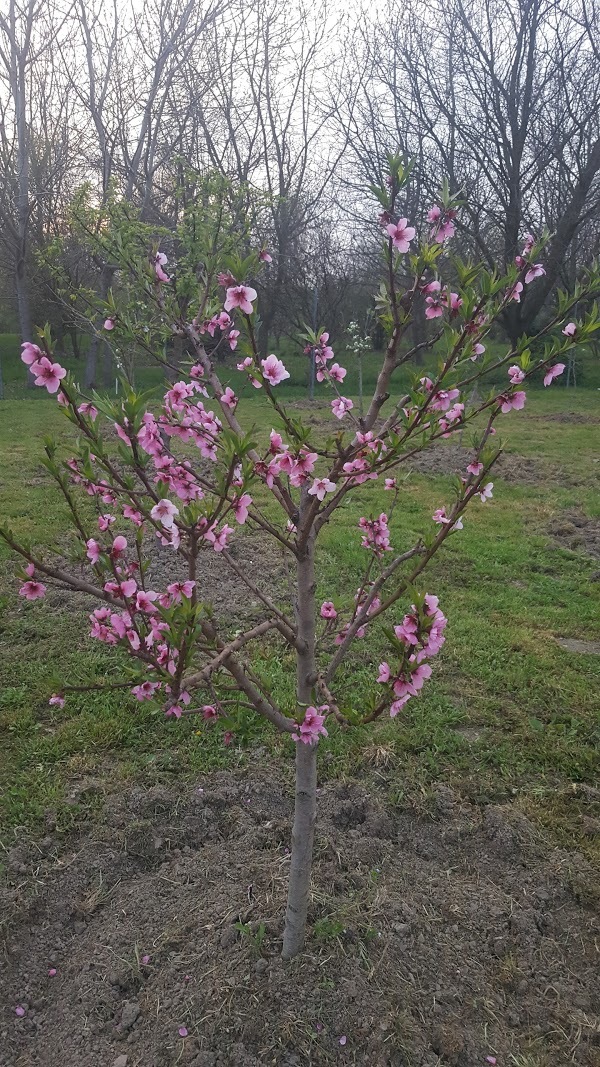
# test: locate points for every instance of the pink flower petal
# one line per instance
(343, 1039)
(182, 1031)
(51, 972)
(20, 1011)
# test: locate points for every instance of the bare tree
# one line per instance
(503, 98)
(128, 61)
(28, 33)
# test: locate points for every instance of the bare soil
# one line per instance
(453, 459)
(574, 530)
(438, 938)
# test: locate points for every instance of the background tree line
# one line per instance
(298, 108)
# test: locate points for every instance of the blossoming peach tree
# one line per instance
(186, 473)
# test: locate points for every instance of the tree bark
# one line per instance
(91, 359)
(305, 815)
(305, 812)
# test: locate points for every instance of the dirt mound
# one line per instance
(453, 459)
(434, 941)
(574, 530)
(573, 417)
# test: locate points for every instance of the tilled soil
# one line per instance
(456, 937)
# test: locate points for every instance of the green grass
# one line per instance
(508, 713)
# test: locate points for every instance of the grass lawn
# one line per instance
(508, 713)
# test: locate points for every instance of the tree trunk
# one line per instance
(107, 366)
(91, 359)
(305, 811)
(303, 832)
(74, 342)
(23, 207)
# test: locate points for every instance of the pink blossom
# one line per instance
(553, 372)
(516, 375)
(320, 486)
(432, 287)
(342, 1040)
(264, 256)
(384, 673)
(209, 712)
(51, 972)
(276, 442)
(118, 546)
(88, 409)
(376, 534)
(30, 353)
(514, 293)
(340, 406)
(226, 279)
(442, 519)
(133, 515)
(240, 296)
(182, 1031)
(159, 261)
(401, 234)
(442, 223)
(218, 540)
(134, 639)
(274, 370)
(104, 521)
(165, 512)
(516, 401)
(297, 467)
(109, 323)
(312, 727)
(32, 590)
(534, 271)
(390, 483)
(48, 374)
(20, 1011)
(407, 632)
(229, 398)
(410, 686)
(175, 711)
(328, 610)
(443, 398)
(529, 240)
(240, 507)
(57, 701)
(228, 738)
(128, 587)
(145, 691)
(93, 550)
(122, 433)
(232, 339)
(181, 589)
(570, 329)
(144, 601)
(486, 492)
(337, 373)
(434, 300)
(478, 350)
